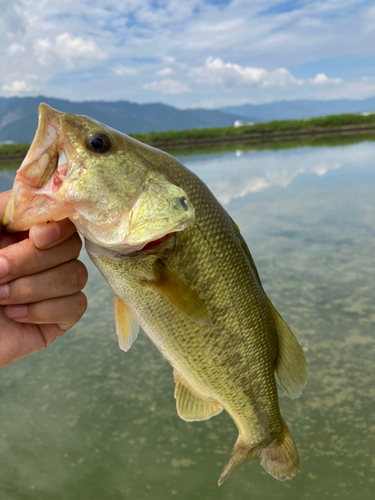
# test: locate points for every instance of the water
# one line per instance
(83, 420)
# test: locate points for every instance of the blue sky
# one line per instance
(192, 53)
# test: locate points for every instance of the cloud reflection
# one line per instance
(234, 175)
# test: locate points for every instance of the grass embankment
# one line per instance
(324, 124)
(285, 134)
(11, 155)
(316, 141)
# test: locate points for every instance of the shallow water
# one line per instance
(83, 420)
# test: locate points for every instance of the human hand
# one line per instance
(40, 286)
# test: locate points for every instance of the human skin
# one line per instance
(40, 286)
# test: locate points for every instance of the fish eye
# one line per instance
(99, 143)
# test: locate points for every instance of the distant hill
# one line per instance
(300, 108)
(19, 116)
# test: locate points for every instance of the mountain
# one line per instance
(300, 108)
(19, 116)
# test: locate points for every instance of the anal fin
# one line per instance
(190, 405)
(127, 327)
(291, 366)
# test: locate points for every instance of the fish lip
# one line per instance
(154, 244)
(49, 125)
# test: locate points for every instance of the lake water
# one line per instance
(83, 420)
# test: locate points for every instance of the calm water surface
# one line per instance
(83, 420)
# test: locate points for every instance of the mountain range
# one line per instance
(300, 108)
(19, 116)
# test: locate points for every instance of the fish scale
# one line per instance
(178, 267)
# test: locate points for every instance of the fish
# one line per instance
(179, 268)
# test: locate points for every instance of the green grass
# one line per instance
(282, 126)
(11, 153)
(334, 140)
(14, 149)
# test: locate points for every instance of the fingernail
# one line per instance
(44, 235)
(4, 267)
(4, 292)
(15, 312)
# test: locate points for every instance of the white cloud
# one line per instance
(22, 86)
(15, 48)
(216, 72)
(322, 79)
(167, 86)
(369, 19)
(43, 51)
(66, 47)
(250, 46)
(165, 72)
(123, 70)
(169, 59)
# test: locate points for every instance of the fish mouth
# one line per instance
(35, 196)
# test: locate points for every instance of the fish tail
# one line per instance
(280, 458)
(242, 452)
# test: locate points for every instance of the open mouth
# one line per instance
(35, 197)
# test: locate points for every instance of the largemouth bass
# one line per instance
(178, 267)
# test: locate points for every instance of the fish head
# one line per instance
(77, 167)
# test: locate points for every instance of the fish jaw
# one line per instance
(159, 209)
(36, 195)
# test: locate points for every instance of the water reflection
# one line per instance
(235, 175)
(84, 420)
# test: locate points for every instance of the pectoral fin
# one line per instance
(127, 327)
(181, 296)
(191, 406)
(291, 367)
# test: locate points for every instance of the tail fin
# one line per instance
(242, 452)
(280, 458)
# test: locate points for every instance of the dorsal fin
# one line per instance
(291, 366)
(191, 406)
(183, 298)
(245, 248)
(127, 327)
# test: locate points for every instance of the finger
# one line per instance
(23, 259)
(19, 340)
(62, 311)
(60, 281)
(52, 233)
(4, 198)
(7, 239)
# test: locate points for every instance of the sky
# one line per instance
(188, 53)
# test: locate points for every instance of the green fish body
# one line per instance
(180, 269)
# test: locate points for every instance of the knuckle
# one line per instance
(78, 274)
(23, 289)
(76, 243)
(83, 275)
(81, 304)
